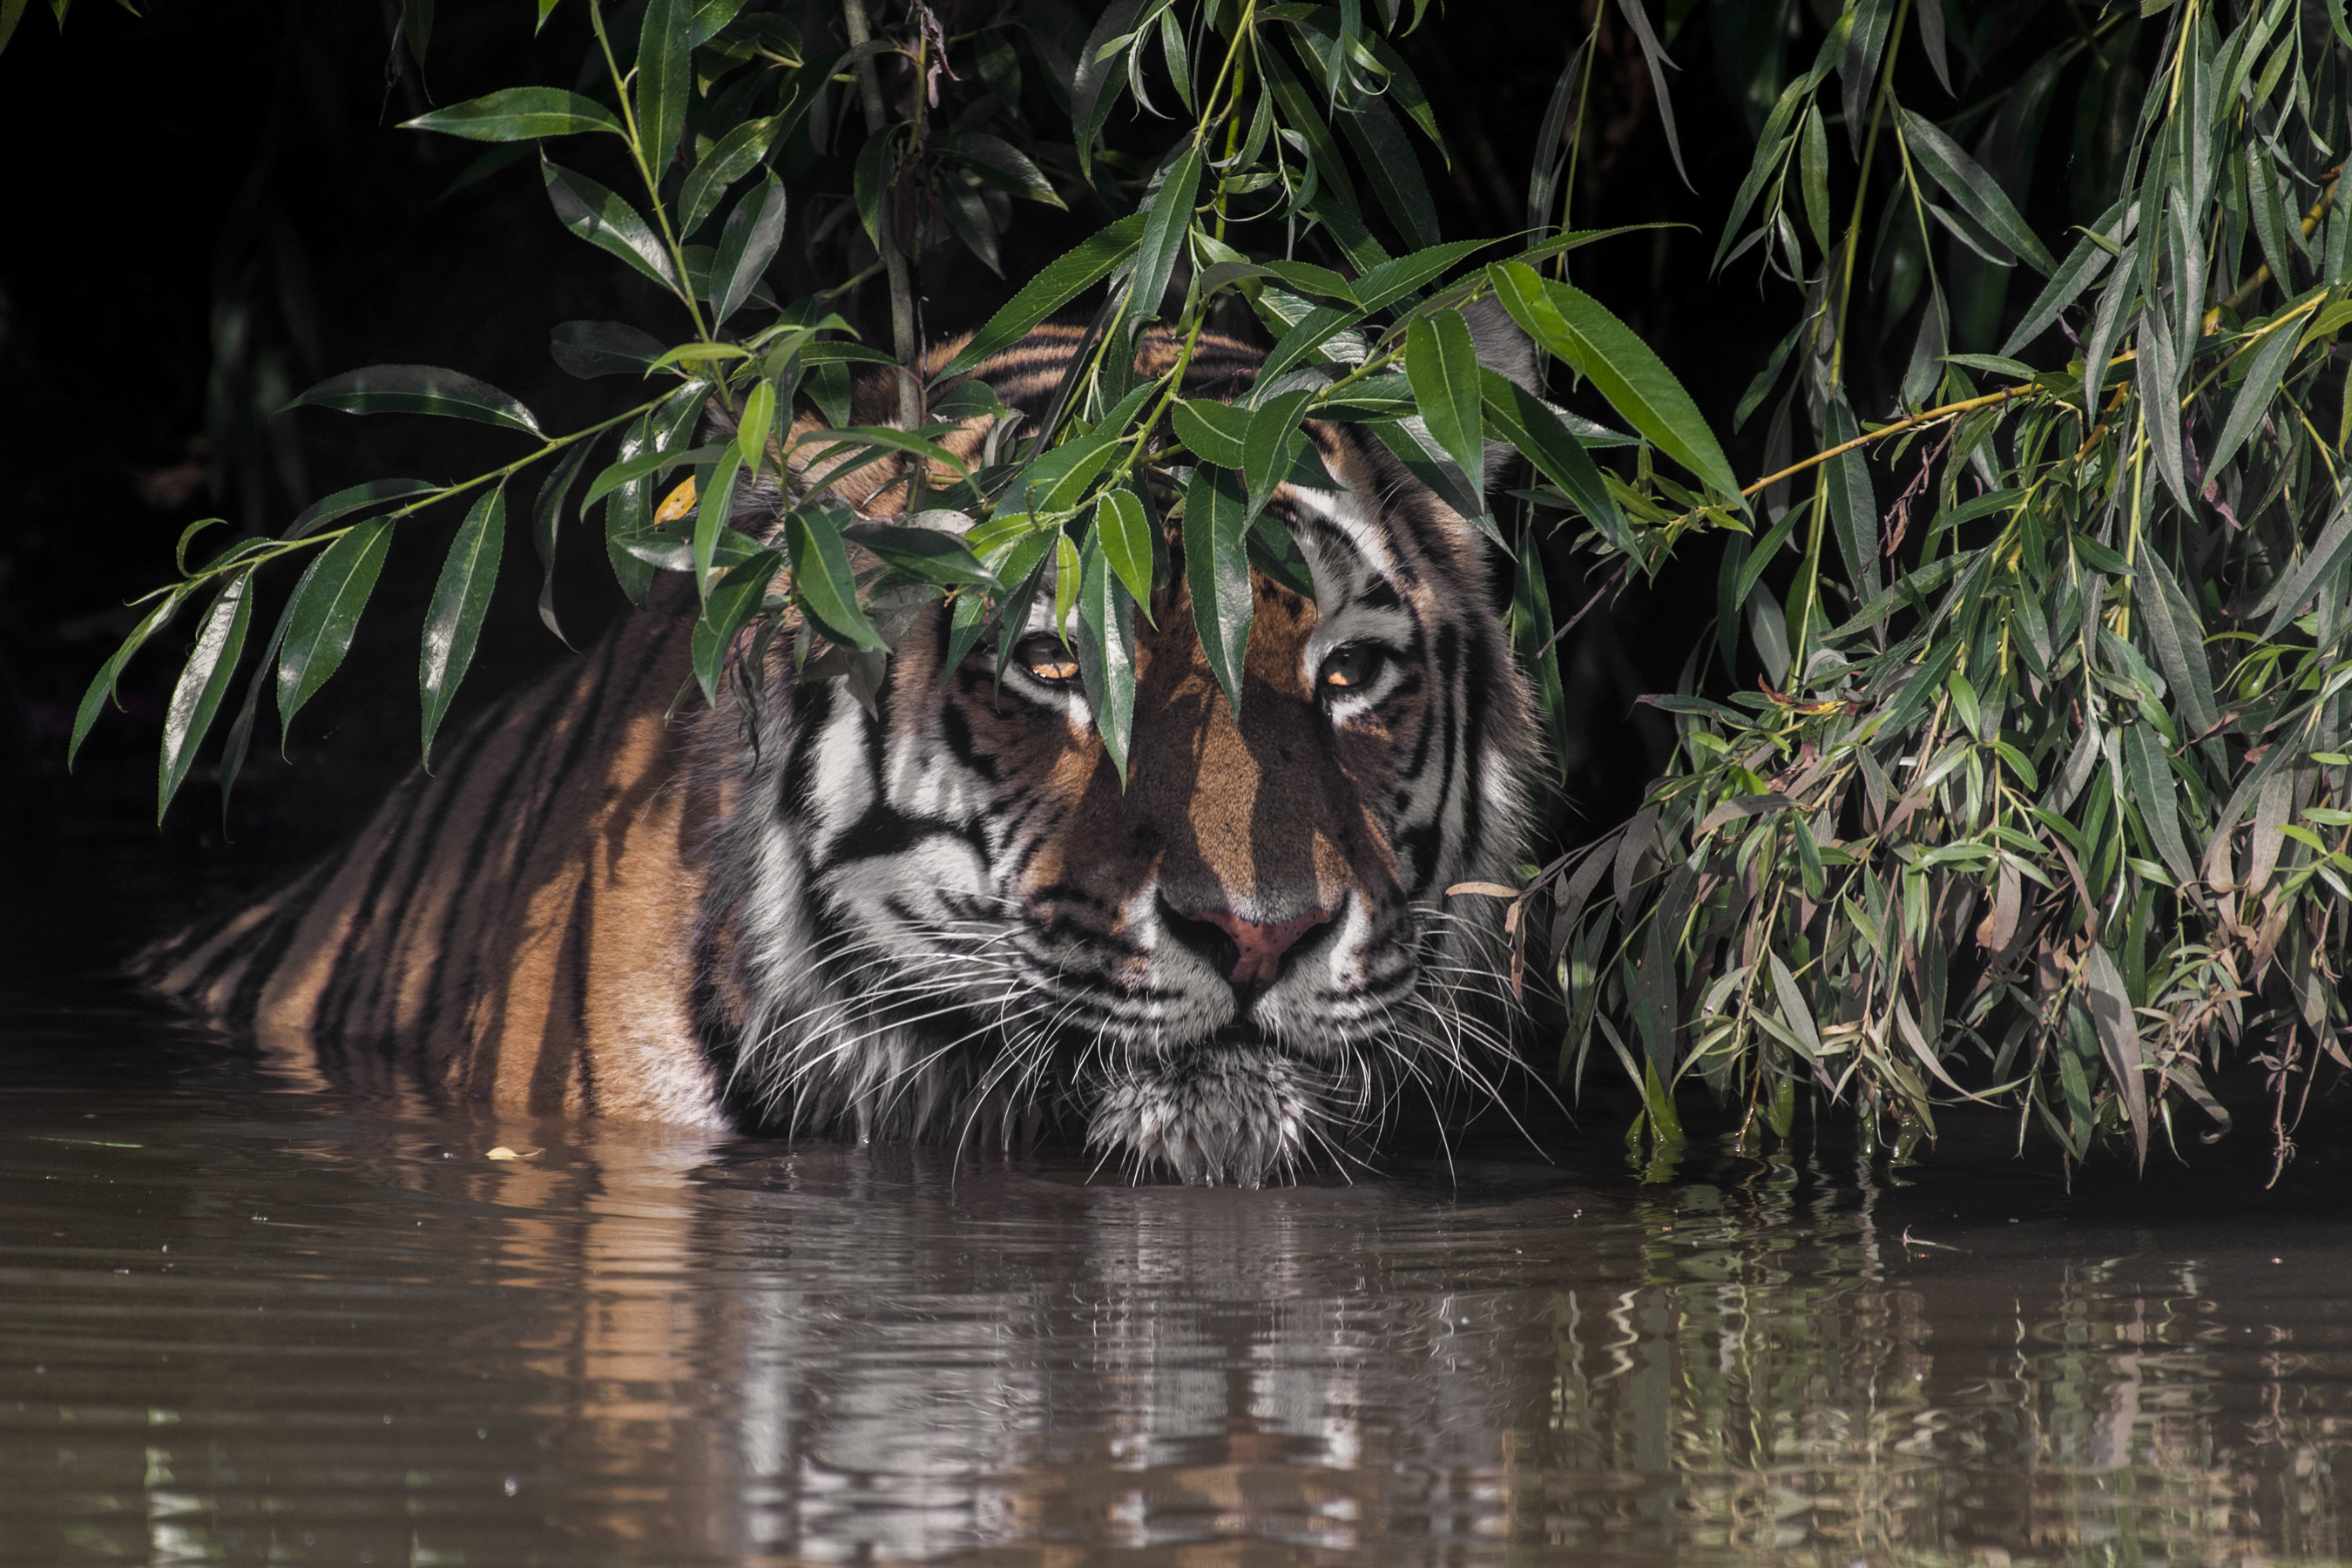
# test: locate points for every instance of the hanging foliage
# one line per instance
(2013, 766)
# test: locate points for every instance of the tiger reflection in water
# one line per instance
(931, 910)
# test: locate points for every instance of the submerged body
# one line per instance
(940, 913)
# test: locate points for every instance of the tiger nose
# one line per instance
(1255, 948)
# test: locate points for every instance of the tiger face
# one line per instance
(948, 914)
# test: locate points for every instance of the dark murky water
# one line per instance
(241, 1324)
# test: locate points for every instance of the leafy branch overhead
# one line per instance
(2013, 765)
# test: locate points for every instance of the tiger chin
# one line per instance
(920, 903)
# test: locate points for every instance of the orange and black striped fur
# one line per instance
(943, 916)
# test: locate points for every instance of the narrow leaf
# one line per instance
(754, 229)
(1168, 219)
(1441, 363)
(822, 579)
(1126, 536)
(2118, 1032)
(1578, 328)
(1106, 651)
(453, 623)
(518, 114)
(1524, 420)
(1216, 571)
(418, 389)
(325, 611)
(2159, 801)
(591, 349)
(212, 665)
(103, 685)
(1063, 280)
(547, 519)
(607, 222)
(1977, 193)
(665, 78)
(358, 498)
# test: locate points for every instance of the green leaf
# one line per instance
(1062, 281)
(547, 519)
(714, 509)
(931, 554)
(212, 665)
(1167, 220)
(1390, 163)
(2158, 375)
(1001, 163)
(2254, 395)
(358, 498)
(822, 579)
(759, 420)
(1441, 363)
(1815, 176)
(1621, 366)
(2080, 271)
(453, 623)
(2153, 793)
(1096, 85)
(1212, 430)
(325, 611)
(1265, 441)
(1067, 574)
(607, 222)
(1106, 652)
(754, 229)
(1978, 194)
(848, 435)
(1216, 570)
(1865, 41)
(591, 349)
(1385, 284)
(734, 600)
(2293, 587)
(733, 158)
(1520, 417)
(419, 389)
(1125, 539)
(2171, 626)
(518, 114)
(2118, 1032)
(103, 685)
(665, 78)
(640, 463)
(1308, 337)
(1853, 504)
(869, 183)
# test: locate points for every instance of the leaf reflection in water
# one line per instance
(647, 1348)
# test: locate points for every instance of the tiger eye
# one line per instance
(1044, 654)
(1350, 666)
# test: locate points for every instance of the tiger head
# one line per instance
(939, 910)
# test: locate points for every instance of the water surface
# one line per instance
(246, 1322)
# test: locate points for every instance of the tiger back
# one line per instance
(934, 910)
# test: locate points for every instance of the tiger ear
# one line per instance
(1510, 353)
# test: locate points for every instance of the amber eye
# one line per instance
(1043, 655)
(1351, 666)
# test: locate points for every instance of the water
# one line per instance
(245, 1322)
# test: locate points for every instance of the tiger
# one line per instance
(934, 910)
